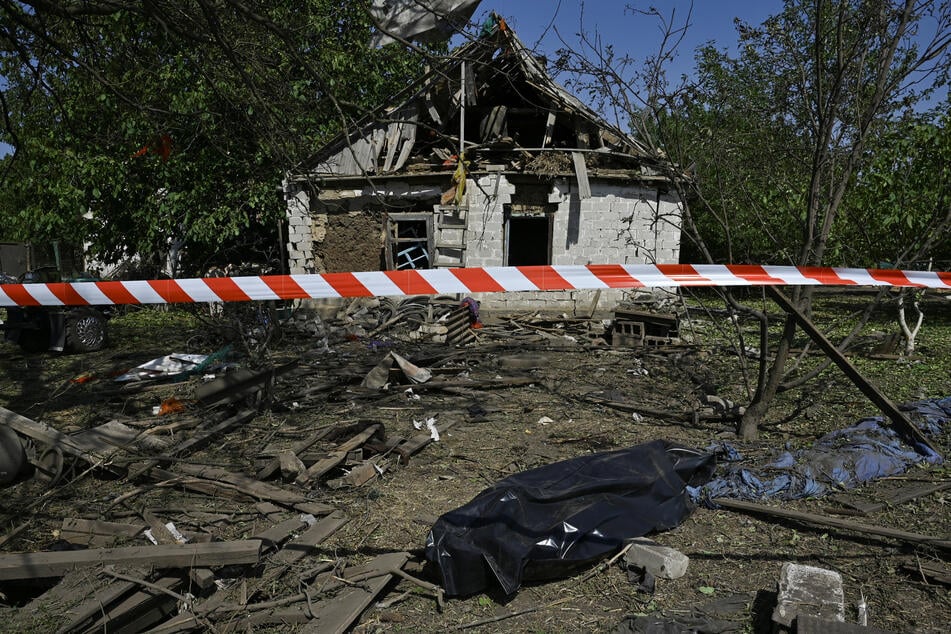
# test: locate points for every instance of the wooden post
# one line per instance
(898, 418)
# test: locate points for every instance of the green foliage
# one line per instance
(137, 126)
(782, 133)
(903, 195)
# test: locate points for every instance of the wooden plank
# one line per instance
(337, 615)
(904, 494)
(409, 140)
(362, 473)
(307, 543)
(233, 387)
(96, 533)
(39, 565)
(278, 533)
(92, 607)
(415, 444)
(50, 436)
(549, 129)
(140, 610)
(898, 418)
(160, 532)
(581, 172)
(275, 464)
(248, 485)
(294, 615)
(824, 520)
(934, 570)
(194, 442)
(279, 564)
(337, 456)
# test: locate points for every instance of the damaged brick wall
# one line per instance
(352, 241)
(621, 223)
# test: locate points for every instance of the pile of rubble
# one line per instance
(209, 494)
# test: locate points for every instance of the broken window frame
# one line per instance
(396, 244)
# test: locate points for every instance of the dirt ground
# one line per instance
(497, 431)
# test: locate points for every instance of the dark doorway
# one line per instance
(528, 240)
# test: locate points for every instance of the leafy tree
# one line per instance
(770, 147)
(170, 121)
(900, 208)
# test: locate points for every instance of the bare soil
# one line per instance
(497, 432)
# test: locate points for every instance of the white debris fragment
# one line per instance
(186, 605)
(307, 518)
(430, 424)
(181, 539)
(544, 420)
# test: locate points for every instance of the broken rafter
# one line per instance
(194, 442)
(823, 520)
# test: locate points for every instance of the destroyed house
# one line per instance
(484, 161)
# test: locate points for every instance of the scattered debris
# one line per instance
(633, 328)
(230, 487)
(662, 562)
(807, 590)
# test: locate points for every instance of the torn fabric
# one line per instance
(842, 459)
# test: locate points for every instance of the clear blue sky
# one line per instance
(547, 25)
(637, 35)
(552, 24)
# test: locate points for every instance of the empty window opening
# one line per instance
(408, 239)
(528, 239)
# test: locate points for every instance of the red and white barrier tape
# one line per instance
(450, 281)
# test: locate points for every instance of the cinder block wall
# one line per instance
(619, 224)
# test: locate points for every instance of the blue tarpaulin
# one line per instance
(842, 459)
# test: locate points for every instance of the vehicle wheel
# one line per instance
(12, 456)
(50, 466)
(85, 332)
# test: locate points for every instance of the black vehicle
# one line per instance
(56, 328)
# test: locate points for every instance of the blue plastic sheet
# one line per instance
(842, 459)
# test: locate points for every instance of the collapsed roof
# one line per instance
(496, 95)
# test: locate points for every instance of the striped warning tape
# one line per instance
(450, 281)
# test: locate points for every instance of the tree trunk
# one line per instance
(749, 424)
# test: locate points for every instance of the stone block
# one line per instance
(811, 591)
(661, 561)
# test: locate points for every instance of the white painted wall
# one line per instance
(619, 224)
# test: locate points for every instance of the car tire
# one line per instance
(85, 331)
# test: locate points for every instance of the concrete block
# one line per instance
(811, 591)
(661, 561)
